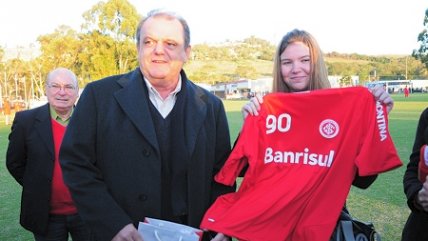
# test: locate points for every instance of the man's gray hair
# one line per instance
(169, 15)
(62, 70)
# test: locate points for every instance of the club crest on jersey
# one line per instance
(329, 128)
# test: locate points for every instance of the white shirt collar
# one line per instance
(164, 106)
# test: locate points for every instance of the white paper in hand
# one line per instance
(160, 230)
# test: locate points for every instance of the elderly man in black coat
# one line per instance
(47, 209)
(147, 143)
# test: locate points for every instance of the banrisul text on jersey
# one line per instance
(305, 157)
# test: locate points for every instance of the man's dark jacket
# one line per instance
(30, 159)
(110, 154)
(416, 225)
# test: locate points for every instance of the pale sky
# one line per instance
(372, 27)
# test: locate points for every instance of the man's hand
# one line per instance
(220, 237)
(128, 233)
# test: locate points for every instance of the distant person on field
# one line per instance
(416, 227)
(47, 208)
(6, 111)
(406, 92)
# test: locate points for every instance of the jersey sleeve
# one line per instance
(241, 152)
(378, 153)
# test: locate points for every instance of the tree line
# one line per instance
(106, 45)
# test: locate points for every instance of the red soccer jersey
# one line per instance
(303, 151)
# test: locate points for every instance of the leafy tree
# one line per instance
(59, 49)
(35, 79)
(117, 18)
(363, 75)
(254, 48)
(1, 54)
(97, 57)
(204, 74)
(16, 79)
(206, 52)
(416, 69)
(246, 71)
(113, 24)
(346, 81)
(2, 73)
(422, 52)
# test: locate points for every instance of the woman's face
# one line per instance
(296, 66)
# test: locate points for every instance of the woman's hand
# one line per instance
(252, 107)
(382, 95)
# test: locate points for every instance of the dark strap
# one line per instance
(337, 235)
(347, 230)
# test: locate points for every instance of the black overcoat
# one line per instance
(416, 226)
(110, 154)
(30, 159)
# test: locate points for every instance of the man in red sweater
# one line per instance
(47, 209)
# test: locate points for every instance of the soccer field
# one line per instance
(383, 203)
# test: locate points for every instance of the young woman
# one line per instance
(299, 66)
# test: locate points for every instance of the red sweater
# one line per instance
(61, 202)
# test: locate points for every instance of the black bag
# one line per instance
(351, 229)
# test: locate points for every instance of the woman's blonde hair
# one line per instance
(318, 71)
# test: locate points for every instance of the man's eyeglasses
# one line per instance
(57, 87)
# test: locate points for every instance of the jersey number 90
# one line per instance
(282, 123)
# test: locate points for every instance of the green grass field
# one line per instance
(383, 203)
